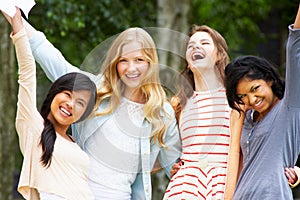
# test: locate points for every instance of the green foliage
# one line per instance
(77, 26)
(241, 22)
(236, 20)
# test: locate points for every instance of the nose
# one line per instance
(131, 65)
(251, 99)
(196, 46)
(70, 103)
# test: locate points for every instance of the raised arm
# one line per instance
(27, 112)
(50, 58)
(297, 20)
(292, 90)
(30, 30)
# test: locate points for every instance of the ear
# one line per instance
(270, 83)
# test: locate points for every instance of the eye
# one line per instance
(255, 88)
(81, 103)
(67, 93)
(205, 43)
(122, 60)
(140, 59)
(241, 96)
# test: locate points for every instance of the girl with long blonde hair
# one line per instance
(133, 127)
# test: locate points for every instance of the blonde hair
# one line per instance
(112, 87)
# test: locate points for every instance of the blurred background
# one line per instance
(76, 27)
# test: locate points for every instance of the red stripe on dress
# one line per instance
(200, 119)
(206, 106)
(196, 135)
(212, 153)
(205, 112)
(215, 185)
(206, 126)
(183, 183)
(215, 168)
(205, 144)
(209, 98)
(220, 192)
(184, 191)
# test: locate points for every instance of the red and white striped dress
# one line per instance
(204, 129)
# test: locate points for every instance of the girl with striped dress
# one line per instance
(203, 114)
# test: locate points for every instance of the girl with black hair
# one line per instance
(270, 139)
(54, 166)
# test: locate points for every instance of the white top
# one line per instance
(118, 140)
(67, 174)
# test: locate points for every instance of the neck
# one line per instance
(206, 81)
(59, 128)
(135, 96)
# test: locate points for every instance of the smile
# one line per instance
(65, 111)
(132, 75)
(258, 104)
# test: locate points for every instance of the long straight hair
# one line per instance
(69, 82)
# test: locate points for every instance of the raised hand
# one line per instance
(16, 21)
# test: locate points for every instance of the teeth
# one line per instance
(132, 75)
(258, 103)
(65, 111)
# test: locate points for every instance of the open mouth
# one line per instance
(65, 111)
(132, 75)
(198, 56)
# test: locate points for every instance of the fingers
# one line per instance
(16, 21)
(291, 175)
(175, 168)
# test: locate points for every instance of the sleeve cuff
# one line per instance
(18, 35)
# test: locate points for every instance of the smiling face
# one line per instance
(67, 107)
(257, 94)
(132, 66)
(201, 51)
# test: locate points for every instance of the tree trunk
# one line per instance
(173, 26)
(8, 94)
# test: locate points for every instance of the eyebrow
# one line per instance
(201, 40)
(251, 89)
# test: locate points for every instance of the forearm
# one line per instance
(297, 20)
(50, 58)
(171, 154)
(236, 124)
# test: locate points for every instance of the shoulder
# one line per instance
(168, 107)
